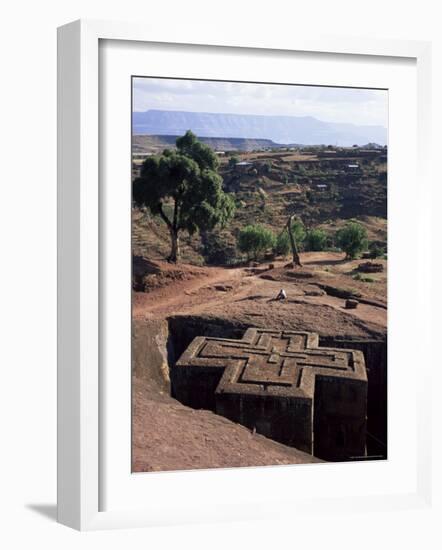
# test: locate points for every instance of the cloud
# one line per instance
(331, 104)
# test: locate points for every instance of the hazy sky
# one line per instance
(357, 106)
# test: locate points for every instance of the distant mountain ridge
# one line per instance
(279, 129)
(144, 143)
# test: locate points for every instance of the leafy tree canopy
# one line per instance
(254, 240)
(316, 240)
(282, 245)
(187, 179)
(352, 239)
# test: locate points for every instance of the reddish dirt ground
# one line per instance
(169, 436)
(201, 292)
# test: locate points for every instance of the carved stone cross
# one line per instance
(283, 385)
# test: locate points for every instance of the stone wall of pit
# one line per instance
(151, 353)
(183, 329)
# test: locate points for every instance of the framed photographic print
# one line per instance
(259, 274)
(229, 339)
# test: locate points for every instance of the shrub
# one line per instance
(352, 239)
(316, 240)
(282, 246)
(363, 278)
(255, 240)
(218, 248)
(376, 249)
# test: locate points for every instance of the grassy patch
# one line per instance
(363, 278)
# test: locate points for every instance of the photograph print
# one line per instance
(259, 274)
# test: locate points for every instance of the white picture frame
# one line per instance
(79, 273)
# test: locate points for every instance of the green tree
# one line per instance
(254, 240)
(185, 182)
(316, 240)
(352, 239)
(219, 248)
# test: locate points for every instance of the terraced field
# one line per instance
(322, 191)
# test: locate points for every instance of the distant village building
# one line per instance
(243, 165)
(220, 153)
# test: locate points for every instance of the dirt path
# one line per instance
(218, 288)
(182, 295)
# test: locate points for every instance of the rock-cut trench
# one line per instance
(157, 345)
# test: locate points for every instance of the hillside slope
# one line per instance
(321, 190)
